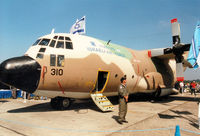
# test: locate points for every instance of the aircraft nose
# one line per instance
(21, 72)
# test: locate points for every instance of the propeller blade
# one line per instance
(175, 31)
(179, 72)
(186, 47)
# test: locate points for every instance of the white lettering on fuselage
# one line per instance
(103, 49)
(98, 48)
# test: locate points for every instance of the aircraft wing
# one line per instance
(178, 52)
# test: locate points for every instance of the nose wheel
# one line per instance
(60, 103)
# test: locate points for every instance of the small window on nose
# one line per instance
(42, 49)
(39, 55)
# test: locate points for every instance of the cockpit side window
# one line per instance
(69, 45)
(60, 44)
(36, 42)
(61, 61)
(52, 60)
(39, 55)
(52, 44)
(44, 42)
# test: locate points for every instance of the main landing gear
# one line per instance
(60, 103)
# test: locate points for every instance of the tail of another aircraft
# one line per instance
(194, 57)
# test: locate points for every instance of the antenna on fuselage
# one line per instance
(52, 31)
(108, 42)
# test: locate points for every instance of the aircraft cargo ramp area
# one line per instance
(145, 118)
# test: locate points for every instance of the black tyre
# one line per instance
(54, 103)
(60, 103)
(65, 103)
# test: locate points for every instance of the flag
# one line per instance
(194, 57)
(78, 27)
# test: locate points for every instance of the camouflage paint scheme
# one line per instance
(88, 56)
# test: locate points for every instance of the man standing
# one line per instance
(123, 100)
(193, 87)
(14, 93)
(181, 87)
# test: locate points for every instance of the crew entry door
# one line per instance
(101, 81)
(99, 99)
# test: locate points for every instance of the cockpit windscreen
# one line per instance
(59, 41)
(44, 42)
(36, 42)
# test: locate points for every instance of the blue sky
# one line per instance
(136, 24)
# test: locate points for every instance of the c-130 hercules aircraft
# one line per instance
(64, 66)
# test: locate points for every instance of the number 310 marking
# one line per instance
(56, 72)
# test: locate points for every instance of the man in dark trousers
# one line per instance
(193, 87)
(123, 100)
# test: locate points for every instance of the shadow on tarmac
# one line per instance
(43, 107)
(180, 114)
(77, 106)
(149, 98)
(116, 118)
(80, 105)
(3, 101)
(167, 116)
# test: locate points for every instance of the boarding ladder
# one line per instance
(102, 101)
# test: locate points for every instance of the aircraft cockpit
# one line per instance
(56, 42)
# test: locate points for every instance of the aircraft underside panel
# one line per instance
(86, 95)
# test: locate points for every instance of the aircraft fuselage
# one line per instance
(73, 72)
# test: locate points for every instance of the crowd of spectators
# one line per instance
(193, 87)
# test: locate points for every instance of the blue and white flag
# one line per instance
(78, 27)
(194, 57)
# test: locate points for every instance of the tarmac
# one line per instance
(145, 117)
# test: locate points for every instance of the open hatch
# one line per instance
(97, 94)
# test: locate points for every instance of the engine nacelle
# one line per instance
(165, 92)
(162, 91)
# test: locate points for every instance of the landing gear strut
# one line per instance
(60, 103)
(157, 93)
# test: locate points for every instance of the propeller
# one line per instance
(178, 49)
